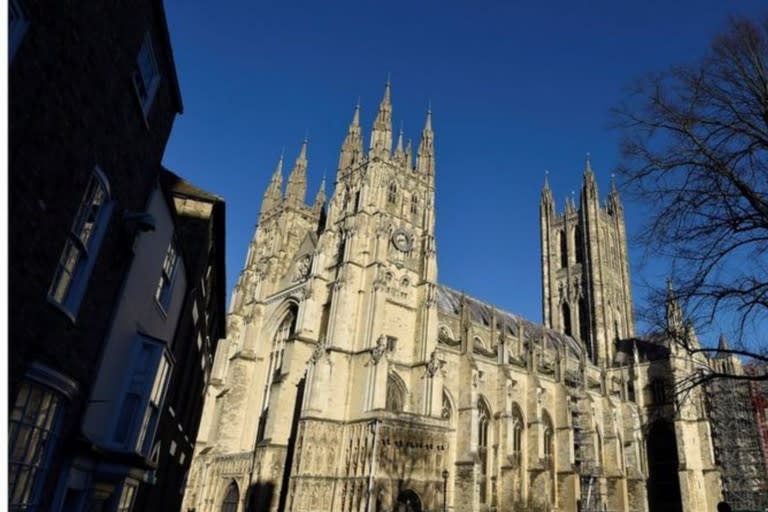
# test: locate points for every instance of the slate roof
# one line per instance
(449, 303)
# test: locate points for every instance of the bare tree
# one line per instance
(695, 150)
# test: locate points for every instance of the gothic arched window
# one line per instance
(484, 420)
(414, 204)
(563, 250)
(392, 193)
(395, 394)
(284, 332)
(579, 241)
(230, 499)
(567, 319)
(517, 436)
(447, 410)
(549, 438)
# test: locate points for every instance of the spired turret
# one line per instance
(297, 181)
(381, 135)
(352, 147)
(425, 156)
(273, 196)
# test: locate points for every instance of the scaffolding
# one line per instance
(585, 459)
(737, 443)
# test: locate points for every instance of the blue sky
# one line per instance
(516, 89)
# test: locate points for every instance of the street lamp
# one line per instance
(445, 489)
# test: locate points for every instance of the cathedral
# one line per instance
(352, 380)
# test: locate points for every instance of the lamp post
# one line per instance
(445, 489)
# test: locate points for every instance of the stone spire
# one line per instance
(399, 151)
(425, 156)
(320, 197)
(352, 147)
(297, 181)
(409, 155)
(613, 197)
(674, 311)
(273, 195)
(381, 136)
(722, 344)
(547, 200)
(589, 185)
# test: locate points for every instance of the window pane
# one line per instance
(126, 498)
(127, 414)
(82, 241)
(66, 271)
(32, 434)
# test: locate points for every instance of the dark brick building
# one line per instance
(102, 281)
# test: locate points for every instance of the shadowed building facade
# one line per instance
(352, 380)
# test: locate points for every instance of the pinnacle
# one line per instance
(356, 116)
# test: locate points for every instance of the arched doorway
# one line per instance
(663, 481)
(408, 501)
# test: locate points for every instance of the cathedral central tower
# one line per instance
(585, 269)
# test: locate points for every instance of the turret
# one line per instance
(409, 155)
(399, 151)
(297, 181)
(547, 201)
(381, 136)
(320, 197)
(589, 187)
(425, 156)
(614, 203)
(352, 147)
(674, 312)
(273, 194)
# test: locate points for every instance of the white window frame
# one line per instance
(75, 264)
(146, 76)
(34, 424)
(127, 497)
(164, 291)
(142, 396)
(18, 23)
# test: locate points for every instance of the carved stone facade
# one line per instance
(350, 380)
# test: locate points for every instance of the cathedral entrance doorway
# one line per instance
(408, 501)
(663, 481)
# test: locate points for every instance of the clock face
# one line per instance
(402, 240)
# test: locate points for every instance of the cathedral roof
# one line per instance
(449, 302)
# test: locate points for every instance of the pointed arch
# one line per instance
(563, 249)
(231, 498)
(663, 479)
(566, 312)
(517, 426)
(414, 204)
(396, 393)
(483, 436)
(392, 193)
(548, 437)
(447, 405)
(283, 331)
